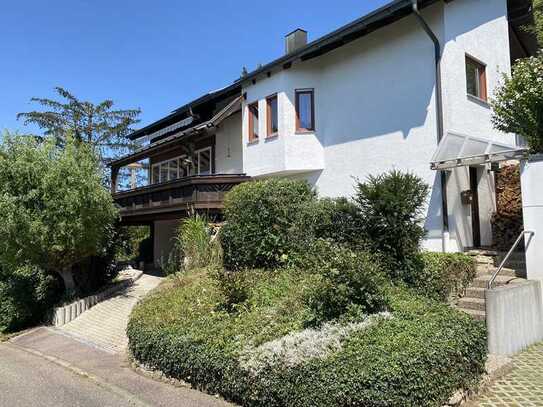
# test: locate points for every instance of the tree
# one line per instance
(392, 208)
(537, 27)
(518, 102)
(102, 127)
(55, 208)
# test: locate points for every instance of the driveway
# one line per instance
(84, 363)
(104, 325)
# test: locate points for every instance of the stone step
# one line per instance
(506, 271)
(472, 303)
(475, 292)
(516, 265)
(481, 281)
(479, 315)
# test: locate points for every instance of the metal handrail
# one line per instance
(509, 253)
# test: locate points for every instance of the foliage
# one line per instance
(336, 219)
(518, 102)
(443, 276)
(259, 217)
(55, 209)
(417, 356)
(537, 27)
(102, 127)
(507, 221)
(197, 245)
(391, 207)
(131, 238)
(26, 293)
(352, 283)
(234, 287)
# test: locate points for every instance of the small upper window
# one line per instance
(305, 110)
(476, 79)
(272, 114)
(253, 121)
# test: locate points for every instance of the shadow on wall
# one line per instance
(390, 86)
(433, 223)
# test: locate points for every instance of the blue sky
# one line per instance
(155, 55)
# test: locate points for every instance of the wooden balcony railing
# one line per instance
(197, 192)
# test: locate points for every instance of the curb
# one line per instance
(67, 313)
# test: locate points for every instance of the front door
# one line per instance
(475, 221)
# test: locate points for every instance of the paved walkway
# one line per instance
(104, 325)
(522, 387)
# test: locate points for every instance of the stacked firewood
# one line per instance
(507, 221)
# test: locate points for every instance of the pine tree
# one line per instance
(98, 125)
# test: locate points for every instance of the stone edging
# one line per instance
(67, 313)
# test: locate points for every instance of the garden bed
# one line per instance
(262, 351)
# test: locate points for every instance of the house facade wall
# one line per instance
(163, 240)
(375, 111)
(228, 150)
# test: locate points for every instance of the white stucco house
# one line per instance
(404, 87)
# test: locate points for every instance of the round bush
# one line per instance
(352, 283)
(259, 216)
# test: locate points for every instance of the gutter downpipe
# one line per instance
(439, 118)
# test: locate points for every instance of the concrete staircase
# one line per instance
(487, 262)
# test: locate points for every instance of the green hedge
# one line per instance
(26, 294)
(442, 276)
(419, 356)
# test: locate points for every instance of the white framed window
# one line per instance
(170, 170)
(204, 162)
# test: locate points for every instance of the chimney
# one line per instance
(295, 40)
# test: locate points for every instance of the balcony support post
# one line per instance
(114, 176)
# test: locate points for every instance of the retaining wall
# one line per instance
(514, 317)
(67, 313)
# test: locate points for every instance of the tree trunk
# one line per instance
(68, 278)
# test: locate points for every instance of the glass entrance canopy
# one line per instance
(457, 150)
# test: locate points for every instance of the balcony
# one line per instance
(173, 199)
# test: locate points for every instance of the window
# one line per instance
(476, 78)
(305, 110)
(272, 115)
(253, 122)
(170, 170)
(204, 161)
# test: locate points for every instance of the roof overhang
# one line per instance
(144, 152)
(459, 150)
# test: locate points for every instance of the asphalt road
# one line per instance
(46, 367)
(29, 380)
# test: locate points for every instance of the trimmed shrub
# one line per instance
(351, 285)
(26, 294)
(259, 216)
(391, 206)
(417, 356)
(335, 219)
(443, 276)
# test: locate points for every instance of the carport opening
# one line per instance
(136, 246)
